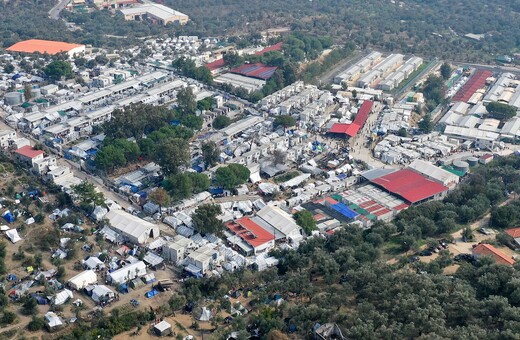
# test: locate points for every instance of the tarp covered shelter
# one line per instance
(13, 235)
(62, 297)
(151, 293)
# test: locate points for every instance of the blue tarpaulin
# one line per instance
(151, 293)
(123, 288)
(216, 191)
(11, 277)
(9, 217)
(344, 210)
(40, 299)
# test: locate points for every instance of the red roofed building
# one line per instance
(256, 239)
(476, 82)
(411, 186)
(350, 130)
(216, 65)
(488, 250)
(257, 70)
(514, 233)
(275, 47)
(28, 155)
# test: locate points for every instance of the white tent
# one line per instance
(99, 212)
(94, 263)
(62, 297)
(133, 228)
(127, 273)
(13, 235)
(4, 228)
(102, 293)
(205, 315)
(83, 279)
(53, 320)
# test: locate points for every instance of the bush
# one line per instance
(29, 306)
(36, 324)
(8, 318)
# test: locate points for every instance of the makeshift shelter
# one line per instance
(205, 314)
(40, 299)
(4, 228)
(127, 273)
(53, 321)
(83, 279)
(151, 293)
(99, 212)
(136, 283)
(94, 263)
(102, 293)
(148, 278)
(8, 216)
(13, 236)
(153, 260)
(163, 328)
(62, 297)
(123, 288)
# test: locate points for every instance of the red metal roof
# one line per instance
(472, 85)
(352, 129)
(410, 185)
(330, 200)
(215, 64)
(29, 152)
(250, 232)
(514, 233)
(382, 212)
(257, 70)
(275, 47)
(488, 250)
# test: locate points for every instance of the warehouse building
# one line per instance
(47, 46)
(155, 13)
(411, 186)
(435, 173)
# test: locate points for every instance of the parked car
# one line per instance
(425, 252)
(485, 231)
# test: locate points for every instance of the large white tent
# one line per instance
(83, 279)
(127, 273)
(133, 228)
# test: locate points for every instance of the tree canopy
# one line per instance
(284, 121)
(210, 153)
(231, 176)
(305, 220)
(87, 194)
(205, 219)
(501, 111)
(58, 69)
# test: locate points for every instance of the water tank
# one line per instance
(461, 166)
(36, 93)
(13, 98)
(472, 161)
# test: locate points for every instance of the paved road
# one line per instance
(358, 147)
(54, 13)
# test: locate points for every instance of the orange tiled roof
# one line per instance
(489, 250)
(514, 233)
